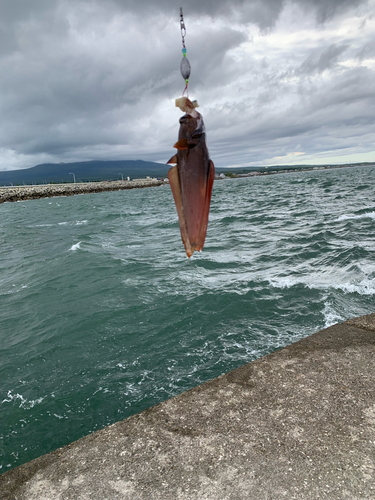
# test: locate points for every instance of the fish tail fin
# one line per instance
(174, 182)
(210, 183)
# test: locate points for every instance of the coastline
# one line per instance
(21, 193)
(32, 192)
(296, 424)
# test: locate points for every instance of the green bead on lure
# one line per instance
(185, 67)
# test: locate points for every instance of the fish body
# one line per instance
(191, 180)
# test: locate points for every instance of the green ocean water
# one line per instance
(102, 314)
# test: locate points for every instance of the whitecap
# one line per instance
(366, 215)
(81, 222)
(13, 289)
(364, 287)
(23, 402)
(331, 316)
(286, 282)
(76, 246)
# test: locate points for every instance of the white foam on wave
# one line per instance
(286, 282)
(24, 403)
(364, 287)
(366, 215)
(331, 316)
(75, 247)
(81, 222)
(14, 289)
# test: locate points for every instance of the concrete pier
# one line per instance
(18, 193)
(296, 424)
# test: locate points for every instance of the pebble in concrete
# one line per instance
(296, 424)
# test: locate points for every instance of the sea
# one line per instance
(103, 315)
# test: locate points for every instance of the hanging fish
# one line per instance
(192, 178)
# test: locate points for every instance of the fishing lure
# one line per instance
(192, 177)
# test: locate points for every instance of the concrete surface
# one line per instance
(296, 424)
(18, 193)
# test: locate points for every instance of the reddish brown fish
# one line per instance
(191, 180)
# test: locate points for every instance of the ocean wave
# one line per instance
(366, 215)
(22, 402)
(63, 223)
(331, 316)
(136, 321)
(364, 287)
(76, 246)
(15, 289)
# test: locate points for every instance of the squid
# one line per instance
(192, 177)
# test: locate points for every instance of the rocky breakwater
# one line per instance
(18, 193)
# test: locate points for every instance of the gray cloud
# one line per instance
(367, 51)
(318, 61)
(263, 13)
(326, 10)
(90, 79)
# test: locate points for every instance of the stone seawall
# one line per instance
(298, 424)
(18, 193)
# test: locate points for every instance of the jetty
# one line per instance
(19, 193)
(296, 424)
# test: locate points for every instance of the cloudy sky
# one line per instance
(278, 82)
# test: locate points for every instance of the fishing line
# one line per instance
(185, 67)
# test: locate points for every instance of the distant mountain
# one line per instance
(95, 170)
(84, 171)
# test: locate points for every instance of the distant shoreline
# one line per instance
(33, 192)
(21, 193)
(286, 170)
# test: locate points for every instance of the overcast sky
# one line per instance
(277, 82)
